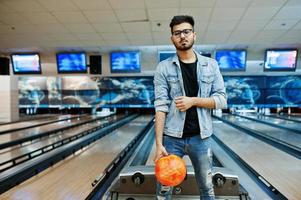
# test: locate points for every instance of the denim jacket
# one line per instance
(168, 83)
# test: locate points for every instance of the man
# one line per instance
(187, 87)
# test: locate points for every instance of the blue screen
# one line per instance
(206, 54)
(163, 55)
(267, 91)
(282, 60)
(283, 90)
(125, 62)
(231, 60)
(245, 90)
(284, 82)
(132, 92)
(284, 97)
(26, 63)
(71, 62)
(39, 91)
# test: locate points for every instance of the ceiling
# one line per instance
(102, 25)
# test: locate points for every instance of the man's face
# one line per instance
(183, 36)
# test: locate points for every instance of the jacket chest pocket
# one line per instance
(206, 82)
(174, 86)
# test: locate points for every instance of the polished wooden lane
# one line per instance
(278, 168)
(8, 137)
(286, 117)
(285, 136)
(10, 153)
(24, 124)
(255, 191)
(24, 117)
(277, 121)
(72, 178)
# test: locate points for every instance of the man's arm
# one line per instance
(161, 103)
(183, 103)
(159, 127)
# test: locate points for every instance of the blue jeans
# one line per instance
(199, 152)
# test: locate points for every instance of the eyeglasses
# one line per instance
(186, 32)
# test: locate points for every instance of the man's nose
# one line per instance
(182, 34)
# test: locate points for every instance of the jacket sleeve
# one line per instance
(218, 88)
(162, 100)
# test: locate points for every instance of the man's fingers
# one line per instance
(178, 98)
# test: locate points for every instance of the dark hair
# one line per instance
(179, 19)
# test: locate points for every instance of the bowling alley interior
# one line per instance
(77, 111)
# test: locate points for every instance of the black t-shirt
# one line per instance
(189, 74)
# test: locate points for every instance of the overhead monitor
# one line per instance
(125, 62)
(28, 63)
(280, 60)
(163, 55)
(70, 62)
(206, 54)
(231, 60)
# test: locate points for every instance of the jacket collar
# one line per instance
(202, 61)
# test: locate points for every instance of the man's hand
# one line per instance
(183, 103)
(160, 152)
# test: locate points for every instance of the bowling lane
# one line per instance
(150, 160)
(278, 168)
(254, 190)
(286, 117)
(293, 115)
(289, 137)
(24, 124)
(24, 117)
(8, 137)
(279, 122)
(72, 178)
(11, 153)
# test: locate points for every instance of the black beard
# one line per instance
(184, 48)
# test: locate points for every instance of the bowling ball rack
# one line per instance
(139, 182)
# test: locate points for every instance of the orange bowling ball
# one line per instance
(170, 170)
